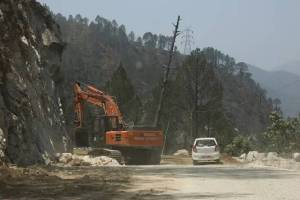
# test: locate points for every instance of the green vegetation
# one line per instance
(120, 87)
(283, 135)
(212, 96)
(238, 146)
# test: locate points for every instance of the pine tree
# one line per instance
(122, 89)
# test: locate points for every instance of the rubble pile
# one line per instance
(296, 157)
(181, 152)
(69, 160)
(272, 159)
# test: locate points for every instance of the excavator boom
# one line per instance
(97, 98)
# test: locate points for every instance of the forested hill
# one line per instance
(101, 52)
(282, 86)
(97, 48)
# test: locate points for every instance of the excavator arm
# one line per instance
(96, 97)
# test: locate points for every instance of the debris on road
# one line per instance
(272, 159)
(181, 152)
(68, 159)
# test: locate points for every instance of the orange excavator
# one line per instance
(136, 145)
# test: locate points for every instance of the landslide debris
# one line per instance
(68, 160)
(181, 152)
(271, 159)
(32, 126)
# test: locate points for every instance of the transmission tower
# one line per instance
(187, 40)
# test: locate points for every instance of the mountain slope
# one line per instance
(280, 84)
(292, 67)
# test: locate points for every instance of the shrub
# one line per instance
(238, 146)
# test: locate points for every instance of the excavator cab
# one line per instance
(104, 124)
(110, 123)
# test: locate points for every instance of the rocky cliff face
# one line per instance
(31, 117)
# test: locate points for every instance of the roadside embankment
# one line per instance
(271, 159)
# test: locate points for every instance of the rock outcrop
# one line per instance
(31, 118)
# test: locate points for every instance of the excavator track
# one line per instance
(135, 156)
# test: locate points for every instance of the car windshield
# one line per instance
(202, 143)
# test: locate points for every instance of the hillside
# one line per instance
(280, 84)
(42, 60)
(292, 67)
(94, 51)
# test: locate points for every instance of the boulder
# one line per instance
(181, 152)
(243, 156)
(296, 157)
(78, 162)
(260, 156)
(272, 156)
(100, 161)
(65, 158)
(251, 156)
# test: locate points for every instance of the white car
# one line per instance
(205, 150)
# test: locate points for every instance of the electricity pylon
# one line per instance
(188, 40)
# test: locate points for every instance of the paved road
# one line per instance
(215, 182)
(156, 182)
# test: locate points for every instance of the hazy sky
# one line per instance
(265, 33)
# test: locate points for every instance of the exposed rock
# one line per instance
(296, 157)
(49, 38)
(2, 146)
(30, 54)
(260, 156)
(65, 158)
(243, 156)
(272, 156)
(181, 152)
(1, 15)
(251, 156)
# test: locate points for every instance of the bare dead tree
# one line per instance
(166, 75)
